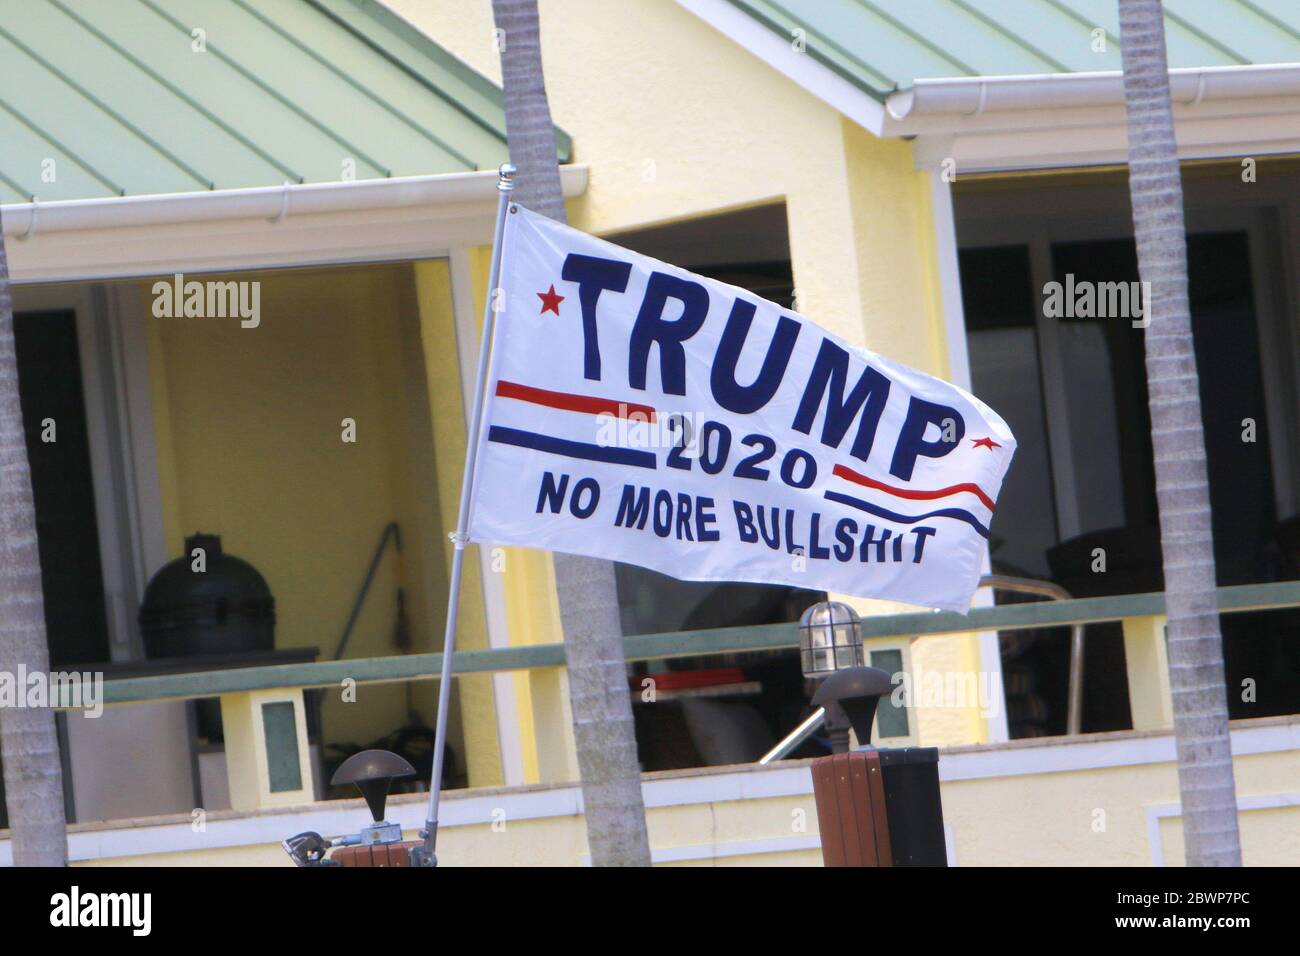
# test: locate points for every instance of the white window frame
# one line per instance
(913, 737)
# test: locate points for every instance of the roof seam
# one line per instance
(275, 94)
(887, 84)
(62, 147)
(414, 74)
(1080, 19)
(1024, 39)
(178, 93)
(16, 186)
(1264, 15)
(113, 94)
(1012, 36)
(904, 28)
(365, 91)
(1203, 36)
(406, 36)
(100, 104)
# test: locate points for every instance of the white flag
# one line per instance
(638, 412)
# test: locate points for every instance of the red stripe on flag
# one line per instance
(574, 403)
(848, 474)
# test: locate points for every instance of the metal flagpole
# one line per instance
(424, 855)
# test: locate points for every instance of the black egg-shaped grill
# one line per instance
(225, 607)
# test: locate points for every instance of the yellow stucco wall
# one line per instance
(998, 813)
(249, 431)
(695, 125)
(739, 134)
(547, 750)
(1098, 817)
(442, 376)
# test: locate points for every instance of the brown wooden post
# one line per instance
(850, 795)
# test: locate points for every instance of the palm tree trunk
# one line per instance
(588, 595)
(1196, 673)
(29, 747)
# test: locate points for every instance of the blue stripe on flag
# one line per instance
(571, 449)
(861, 505)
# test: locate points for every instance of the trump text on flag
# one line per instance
(641, 413)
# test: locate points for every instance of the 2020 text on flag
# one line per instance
(638, 412)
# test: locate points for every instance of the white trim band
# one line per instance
(272, 203)
(977, 95)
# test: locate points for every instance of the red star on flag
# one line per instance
(550, 301)
(988, 443)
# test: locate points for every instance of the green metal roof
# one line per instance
(288, 90)
(882, 46)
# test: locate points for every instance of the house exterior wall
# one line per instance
(440, 385)
(1105, 800)
(701, 129)
(249, 430)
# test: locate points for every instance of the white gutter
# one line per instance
(973, 96)
(273, 203)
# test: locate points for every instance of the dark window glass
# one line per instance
(49, 382)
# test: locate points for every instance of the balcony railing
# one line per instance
(247, 692)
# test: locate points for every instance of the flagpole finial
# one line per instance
(506, 177)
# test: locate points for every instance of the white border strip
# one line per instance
(1085, 754)
(718, 851)
(728, 787)
(1266, 801)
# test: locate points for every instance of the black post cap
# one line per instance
(373, 772)
(855, 691)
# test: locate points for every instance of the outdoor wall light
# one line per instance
(830, 639)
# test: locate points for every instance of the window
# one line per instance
(1073, 388)
(58, 451)
(891, 716)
